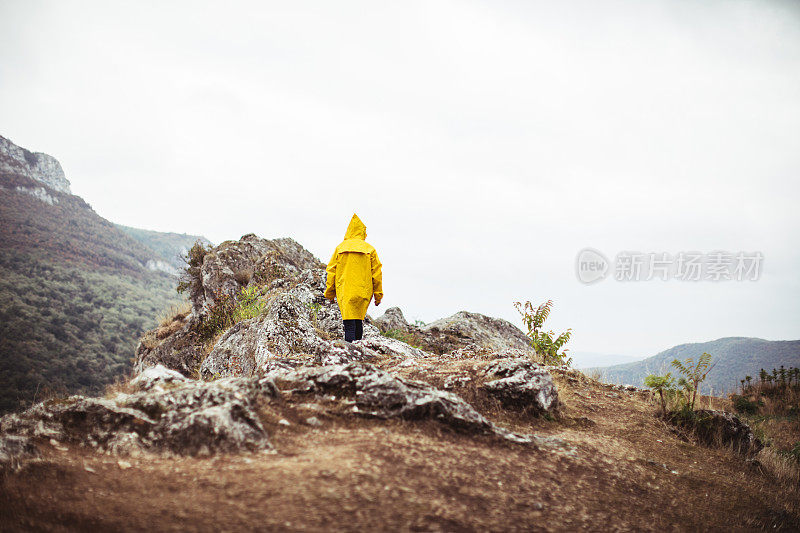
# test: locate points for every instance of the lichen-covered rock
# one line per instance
(295, 322)
(392, 320)
(157, 376)
(233, 264)
(522, 384)
(189, 418)
(390, 347)
(78, 419)
(464, 328)
(182, 351)
(384, 395)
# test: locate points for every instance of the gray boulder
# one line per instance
(234, 264)
(522, 384)
(298, 321)
(190, 418)
(463, 329)
(157, 376)
(392, 320)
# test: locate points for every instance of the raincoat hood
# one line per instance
(356, 229)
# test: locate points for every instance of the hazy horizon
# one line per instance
(484, 144)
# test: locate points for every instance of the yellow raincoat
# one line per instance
(354, 273)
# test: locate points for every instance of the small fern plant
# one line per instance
(661, 384)
(693, 375)
(546, 344)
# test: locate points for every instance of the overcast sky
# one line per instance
(484, 144)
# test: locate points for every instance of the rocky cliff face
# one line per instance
(35, 165)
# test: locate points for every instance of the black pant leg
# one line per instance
(353, 329)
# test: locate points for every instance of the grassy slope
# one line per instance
(74, 296)
(736, 357)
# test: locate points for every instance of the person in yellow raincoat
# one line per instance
(354, 277)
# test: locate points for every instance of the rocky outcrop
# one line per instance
(522, 384)
(233, 265)
(169, 414)
(463, 329)
(39, 193)
(296, 319)
(719, 428)
(380, 394)
(157, 265)
(393, 320)
(38, 166)
(460, 330)
(200, 390)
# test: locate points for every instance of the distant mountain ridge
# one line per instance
(735, 358)
(76, 291)
(170, 247)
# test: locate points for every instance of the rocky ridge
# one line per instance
(199, 390)
(207, 381)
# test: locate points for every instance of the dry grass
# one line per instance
(174, 313)
(150, 339)
(121, 385)
(594, 374)
(243, 276)
(780, 466)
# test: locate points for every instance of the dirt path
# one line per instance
(628, 472)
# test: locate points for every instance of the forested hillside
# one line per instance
(75, 291)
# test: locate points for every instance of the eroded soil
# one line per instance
(627, 471)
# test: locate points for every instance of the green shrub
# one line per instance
(545, 343)
(661, 384)
(227, 311)
(402, 336)
(695, 373)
